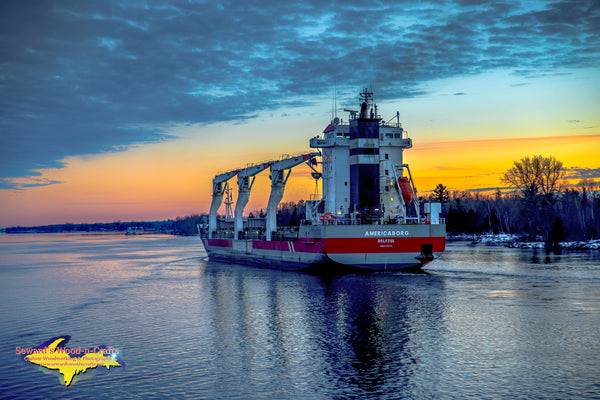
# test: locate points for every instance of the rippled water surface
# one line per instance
(482, 322)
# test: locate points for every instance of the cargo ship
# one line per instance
(368, 216)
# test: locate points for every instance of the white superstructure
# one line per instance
(335, 148)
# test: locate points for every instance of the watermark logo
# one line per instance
(71, 362)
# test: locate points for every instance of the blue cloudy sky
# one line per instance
(87, 77)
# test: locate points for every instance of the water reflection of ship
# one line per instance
(360, 333)
(374, 355)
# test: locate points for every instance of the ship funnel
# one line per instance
(363, 110)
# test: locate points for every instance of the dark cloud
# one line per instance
(491, 189)
(582, 173)
(574, 174)
(34, 182)
(87, 77)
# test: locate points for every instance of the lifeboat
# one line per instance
(406, 190)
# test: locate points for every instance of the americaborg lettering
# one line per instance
(386, 233)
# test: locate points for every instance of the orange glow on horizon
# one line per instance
(479, 164)
(160, 181)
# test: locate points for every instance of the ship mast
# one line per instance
(228, 202)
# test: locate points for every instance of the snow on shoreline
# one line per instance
(510, 240)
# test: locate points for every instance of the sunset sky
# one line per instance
(126, 110)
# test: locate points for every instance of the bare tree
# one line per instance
(552, 174)
(537, 175)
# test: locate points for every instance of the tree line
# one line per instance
(570, 216)
(541, 207)
(184, 226)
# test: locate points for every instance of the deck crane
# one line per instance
(245, 179)
(219, 186)
(280, 172)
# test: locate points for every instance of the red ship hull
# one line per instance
(391, 247)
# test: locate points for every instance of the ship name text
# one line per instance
(386, 233)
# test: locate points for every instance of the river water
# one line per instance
(481, 322)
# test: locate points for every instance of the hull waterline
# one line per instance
(389, 248)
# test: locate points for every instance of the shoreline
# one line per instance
(512, 241)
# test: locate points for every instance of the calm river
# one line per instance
(481, 323)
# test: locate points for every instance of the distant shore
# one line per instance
(182, 226)
(514, 241)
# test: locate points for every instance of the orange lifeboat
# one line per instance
(406, 190)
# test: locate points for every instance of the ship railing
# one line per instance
(283, 233)
(371, 221)
(223, 234)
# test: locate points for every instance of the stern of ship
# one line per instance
(385, 247)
